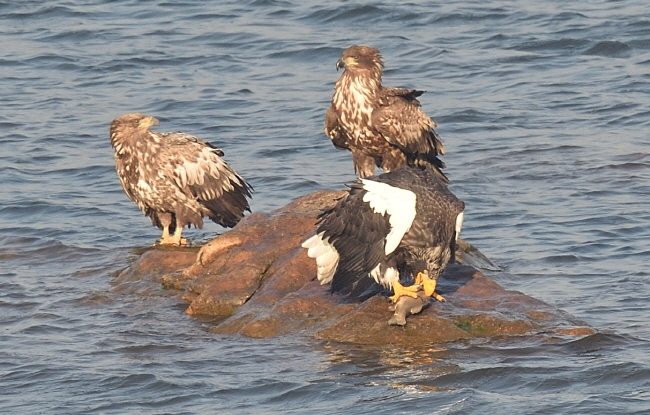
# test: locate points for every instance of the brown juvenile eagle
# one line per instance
(380, 125)
(402, 222)
(174, 178)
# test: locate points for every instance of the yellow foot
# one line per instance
(171, 241)
(429, 286)
(400, 290)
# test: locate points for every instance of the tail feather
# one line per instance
(430, 162)
(327, 258)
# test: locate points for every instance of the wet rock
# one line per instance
(260, 283)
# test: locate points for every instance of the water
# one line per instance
(543, 108)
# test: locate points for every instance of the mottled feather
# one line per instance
(175, 178)
(381, 126)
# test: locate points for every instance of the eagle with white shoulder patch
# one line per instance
(399, 225)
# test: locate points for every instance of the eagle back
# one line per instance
(196, 167)
(401, 121)
(433, 234)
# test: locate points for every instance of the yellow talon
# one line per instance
(429, 285)
(420, 277)
(400, 290)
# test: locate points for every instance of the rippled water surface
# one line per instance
(543, 108)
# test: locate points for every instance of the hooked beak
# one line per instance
(152, 121)
(340, 64)
(148, 121)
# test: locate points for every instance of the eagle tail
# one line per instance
(431, 162)
(437, 142)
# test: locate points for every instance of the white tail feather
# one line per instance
(327, 258)
(459, 223)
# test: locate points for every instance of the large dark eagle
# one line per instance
(174, 178)
(402, 222)
(380, 125)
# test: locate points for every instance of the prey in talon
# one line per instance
(406, 306)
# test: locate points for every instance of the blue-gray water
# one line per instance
(543, 108)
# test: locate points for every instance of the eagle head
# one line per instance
(129, 126)
(136, 121)
(360, 58)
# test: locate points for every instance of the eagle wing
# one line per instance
(197, 168)
(399, 118)
(334, 130)
(439, 218)
(364, 228)
(358, 236)
(406, 93)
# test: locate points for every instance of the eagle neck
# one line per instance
(125, 142)
(368, 82)
(357, 91)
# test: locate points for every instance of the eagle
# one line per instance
(381, 126)
(404, 222)
(176, 179)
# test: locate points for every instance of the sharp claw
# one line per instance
(439, 297)
(400, 290)
(429, 286)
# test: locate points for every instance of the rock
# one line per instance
(260, 283)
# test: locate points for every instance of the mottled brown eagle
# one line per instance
(405, 222)
(176, 179)
(381, 126)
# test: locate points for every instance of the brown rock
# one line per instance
(259, 280)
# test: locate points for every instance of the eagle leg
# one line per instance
(400, 290)
(176, 238)
(167, 239)
(164, 220)
(429, 286)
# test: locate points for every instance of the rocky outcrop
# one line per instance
(261, 283)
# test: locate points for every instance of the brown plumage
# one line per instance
(381, 126)
(174, 178)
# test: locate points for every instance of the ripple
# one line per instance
(611, 49)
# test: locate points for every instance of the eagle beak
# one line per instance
(149, 121)
(340, 64)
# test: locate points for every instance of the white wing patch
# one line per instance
(459, 223)
(327, 257)
(387, 279)
(398, 203)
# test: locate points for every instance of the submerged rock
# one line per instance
(260, 283)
